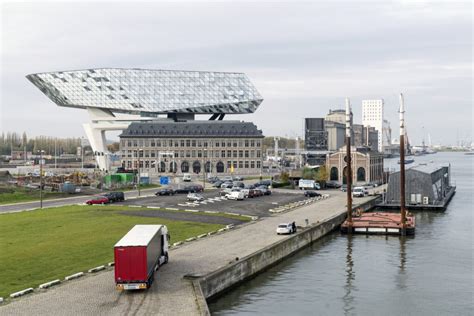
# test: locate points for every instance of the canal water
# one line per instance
(428, 274)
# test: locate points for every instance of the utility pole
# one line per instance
(348, 164)
(41, 177)
(402, 165)
(138, 184)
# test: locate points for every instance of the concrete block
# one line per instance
(228, 213)
(177, 243)
(211, 233)
(230, 226)
(1, 300)
(191, 239)
(221, 230)
(194, 211)
(74, 276)
(96, 269)
(211, 212)
(21, 293)
(49, 284)
(172, 208)
(201, 236)
(111, 264)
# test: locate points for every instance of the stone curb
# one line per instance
(1, 300)
(96, 269)
(191, 239)
(74, 276)
(21, 293)
(111, 264)
(201, 236)
(49, 284)
(177, 243)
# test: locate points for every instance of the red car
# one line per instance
(98, 200)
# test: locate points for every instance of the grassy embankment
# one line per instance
(19, 195)
(43, 245)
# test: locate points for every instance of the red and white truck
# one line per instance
(139, 254)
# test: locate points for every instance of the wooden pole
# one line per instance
(348, 164)
(402, 165)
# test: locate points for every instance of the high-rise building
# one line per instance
(373, 115)
(316, 137)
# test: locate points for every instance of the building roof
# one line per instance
(214, 129)
(141, 91)
(426, 168)
(139, 235)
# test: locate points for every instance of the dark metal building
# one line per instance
(316, 136)
(426, 185)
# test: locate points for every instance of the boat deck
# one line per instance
(378, 223)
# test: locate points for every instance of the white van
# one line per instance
(186, 177)
(358, 192)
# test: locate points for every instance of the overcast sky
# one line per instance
(304, 58)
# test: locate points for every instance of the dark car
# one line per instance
(217, 184)
(332, 185)
(238, 185)
(165, 191)
(265, 190)
(115, 196)
(238, 178)
(258, 192)
(311, 193)
(213, 179)
(98, 200)
(344, 188)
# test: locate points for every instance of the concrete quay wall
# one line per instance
(223, 279)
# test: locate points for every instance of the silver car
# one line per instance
(195, 197)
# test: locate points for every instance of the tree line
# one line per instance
(15, 141)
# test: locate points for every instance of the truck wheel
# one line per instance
(166, 258)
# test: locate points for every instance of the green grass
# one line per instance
(257, 178)
(43, 245)
(19, 195)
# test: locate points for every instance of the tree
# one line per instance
(308, 173)
(284, 177)
(321, 175)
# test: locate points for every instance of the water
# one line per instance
(428, 274)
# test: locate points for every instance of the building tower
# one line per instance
(373, 115)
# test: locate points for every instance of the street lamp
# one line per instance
(138, 184)
(204, 156)
(82, 153)
(41, 152)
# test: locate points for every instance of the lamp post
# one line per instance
(348, 164)
(41, 177)
(204, 156)
(138, 184)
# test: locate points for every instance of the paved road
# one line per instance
(181, 216)
(170, 294)
(60, 202)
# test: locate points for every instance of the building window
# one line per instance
(246, 154)
(241, 164)
(361, 174)
(199, 154)
(208, 166)
(259, 144)
(246, 143)
(252, 143)
(229, 153)
(222, 153)
(229, 143)
(217, 143)
(173, 166)
(258, 153)
(223, 143)
(193, 143)
(252, 153)
(170, 143)
(182, 143)
(246, 164)
(252, 164)
(259, 165)
(188, 143)
(147, 164)
(129, 143)
(235, 143)
(235, 164)
(199, 143)
(241, 153)
(220, 167)
(196, 167)
(158, 143)
(229, 164)
(135, 143)
(185, 166)
(204, 143)
(234, 154)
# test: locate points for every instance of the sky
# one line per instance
(303, 57)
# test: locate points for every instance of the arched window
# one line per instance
(173, 166)
(220, 167)
(162, 166)
(185, 166)
(334, 176)
(208, 167)
(361, 174)
(196, 167)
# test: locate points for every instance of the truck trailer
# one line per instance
(138, 255)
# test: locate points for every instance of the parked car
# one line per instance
(227, 185)
(358, 192)
(235, 195)
(239, 184)
(238, 178)
(195, 197)
(332, 185)
(225, 191)
(98, 200)
(165, 191)
(310, 193)
(217, 184)
(258, 192)
(212, 179)
(285, 228)
(186, 177)
(265, 190)
(344, 187)
(245, 191)
(115, 196)
(252, 193)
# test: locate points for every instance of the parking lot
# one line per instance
(257, 206)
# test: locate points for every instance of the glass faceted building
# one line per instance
(141, 91)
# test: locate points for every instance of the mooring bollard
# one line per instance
(307, 222)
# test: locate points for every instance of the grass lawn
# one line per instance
(19, 195)
(43, 245)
